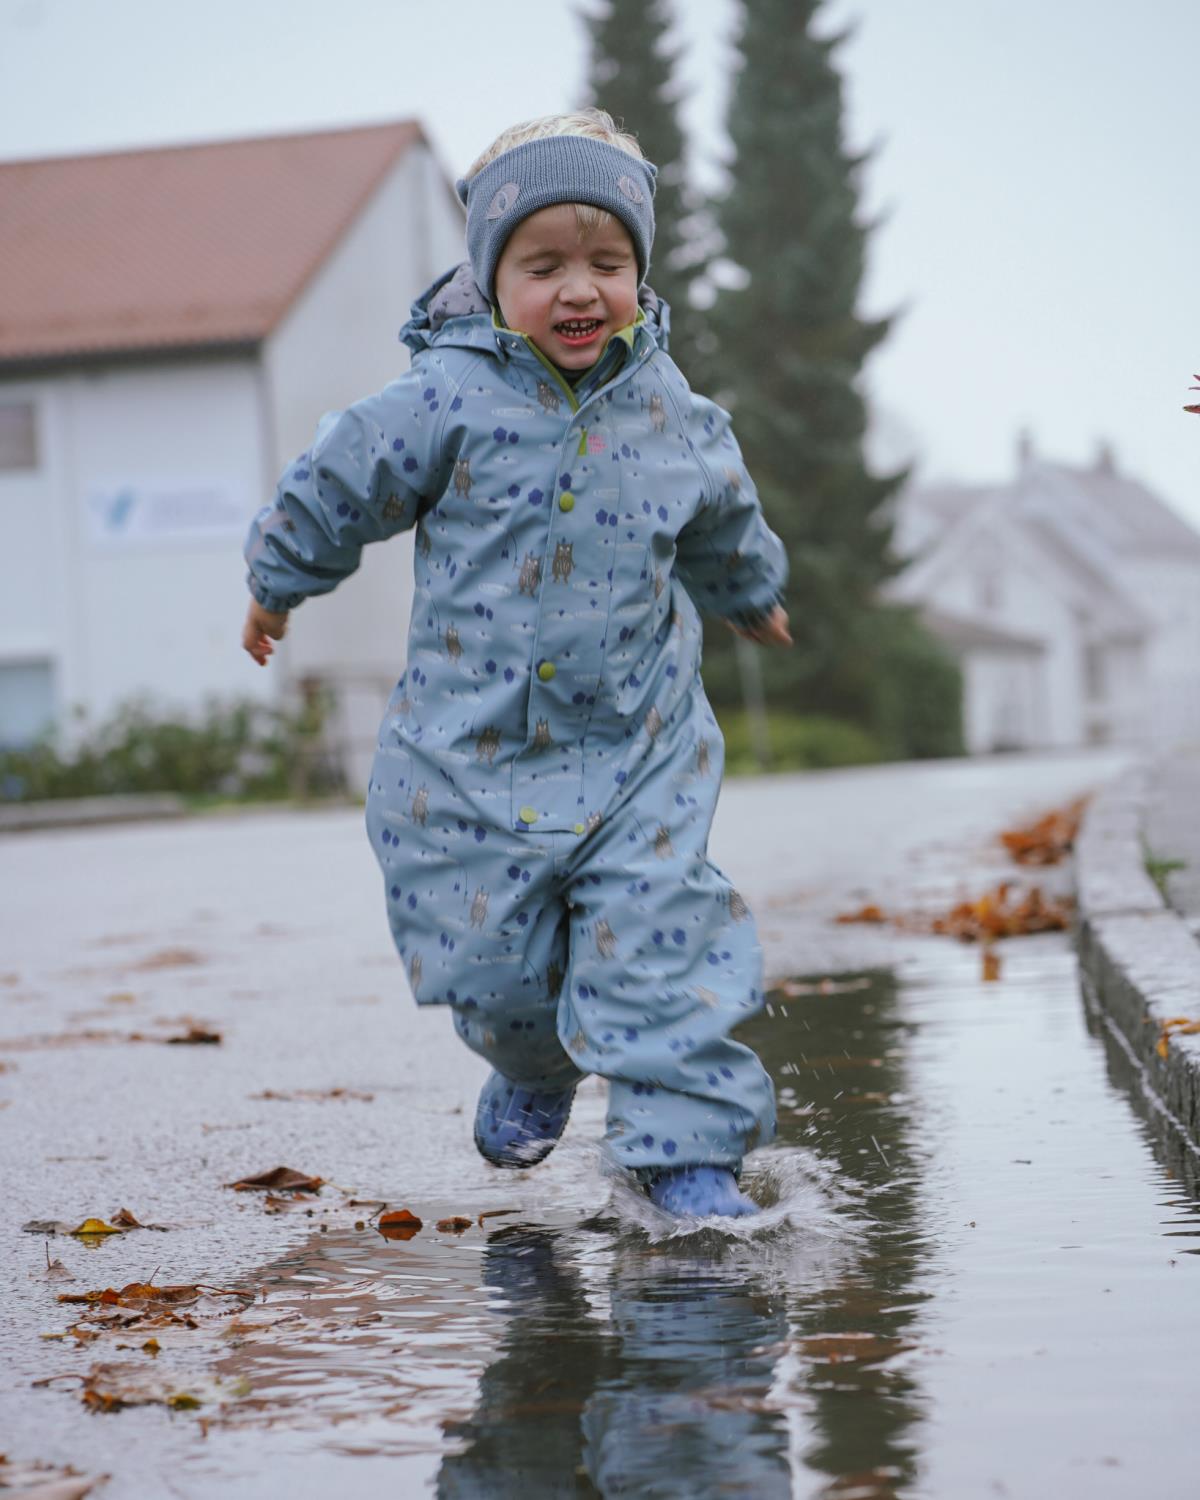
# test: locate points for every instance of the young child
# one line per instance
(548, 767)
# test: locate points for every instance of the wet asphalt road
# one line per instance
(975, 1272)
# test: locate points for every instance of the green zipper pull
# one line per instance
(583, 443)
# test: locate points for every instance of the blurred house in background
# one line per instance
(1071, 598)
(173, 323)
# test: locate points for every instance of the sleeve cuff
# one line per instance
(278, 604)
(753, 611)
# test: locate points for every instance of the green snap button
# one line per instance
(546, 671)
(566, 501)
(527, 815)
(579, 828)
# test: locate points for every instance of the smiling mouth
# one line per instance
(578, 330)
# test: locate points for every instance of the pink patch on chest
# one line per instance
(596, 443)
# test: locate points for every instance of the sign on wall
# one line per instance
(140, 514)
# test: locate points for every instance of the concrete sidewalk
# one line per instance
(1172, 831)
(1139, 933)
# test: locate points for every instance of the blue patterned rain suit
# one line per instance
(548, 766)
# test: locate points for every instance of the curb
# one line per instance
(86, 812)
(1138, 959)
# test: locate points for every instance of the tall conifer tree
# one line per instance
(790, 350)
(631, 76)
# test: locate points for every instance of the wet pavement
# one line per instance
(975, 1272)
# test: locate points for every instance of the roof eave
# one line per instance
(22, 366)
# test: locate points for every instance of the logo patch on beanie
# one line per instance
(631, 190)
(503, 199)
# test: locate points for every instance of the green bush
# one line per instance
(239, 750)
(797, 743)
(916, 688)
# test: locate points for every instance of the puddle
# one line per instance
(975, 1272)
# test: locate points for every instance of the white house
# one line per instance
(1071, 598)
(173, 323)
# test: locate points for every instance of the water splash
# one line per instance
(801, 1197)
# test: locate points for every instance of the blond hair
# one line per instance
(597, 123)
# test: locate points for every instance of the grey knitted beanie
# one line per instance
(555, 169)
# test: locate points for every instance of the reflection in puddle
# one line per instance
(630, 1354)
(799, 1352)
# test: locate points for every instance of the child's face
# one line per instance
(569, 294)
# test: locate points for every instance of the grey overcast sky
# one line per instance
(1036, 167)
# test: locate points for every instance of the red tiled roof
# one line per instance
(177, 246)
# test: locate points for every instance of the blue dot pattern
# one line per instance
(543, 835)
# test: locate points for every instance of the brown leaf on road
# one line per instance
(195, 1036)
(94, 1227)
(863, 914)
(991, 966)
(454, 1225)
(55, 1270)
(496, 1213)
(1049, 839)
(994, 916)
(400, 1224)
(315, 1094)
(138, 1293)
(167, 958)
(1175, 1026)
(110, 1387)
(279, 1180)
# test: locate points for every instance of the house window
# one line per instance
(18, 435)
(26, 702)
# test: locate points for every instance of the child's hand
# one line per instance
(772, 630)
(262, 626)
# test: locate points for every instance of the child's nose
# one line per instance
(579, 288)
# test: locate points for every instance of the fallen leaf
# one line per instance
(315, 1094)
(94, 1227)
(400, 1224)
(55, 1270)
(151, 1346)
(1175, 1026)
(279, 1180)
(496, 1213)
(454, 1225)
(994, 916)
(121, 997)
(125, 1220)
(195, 1036)
(168, 958)
(863, 914)
(1047, 841)
(991, 965)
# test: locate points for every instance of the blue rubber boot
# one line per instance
(700, 1192)
(515, 1127)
